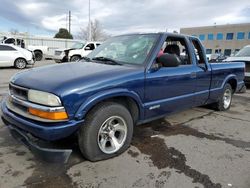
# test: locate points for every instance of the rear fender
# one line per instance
(229, 77)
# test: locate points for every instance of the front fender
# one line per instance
(98, 97)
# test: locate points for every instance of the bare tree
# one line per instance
(97, 32)
(14, 31)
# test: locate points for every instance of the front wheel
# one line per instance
(107, 132)
(75, 58)
(20, 63)
(38, 55)
(225, 100)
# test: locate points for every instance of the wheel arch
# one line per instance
(127, 98)
(38, 50)
(20, 58)
(232, 80)
(79, 55)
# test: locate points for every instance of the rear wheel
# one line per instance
(38, 55)
(20, 63)
(225, 100)
(106, 133)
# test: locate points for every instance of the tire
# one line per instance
(225, 100)
(20, 63)
(75, 58)
(97, 139)
(38, 55)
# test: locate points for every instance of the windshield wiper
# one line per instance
(107, 60)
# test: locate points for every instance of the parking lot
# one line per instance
(195, 148)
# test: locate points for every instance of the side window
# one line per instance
(6, 48)
(97, 44)
(177, 46)
(198, 50)
(18, 41)
(90, 46)
(10, 41)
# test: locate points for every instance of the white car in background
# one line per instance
(11, 55)
(75, 53)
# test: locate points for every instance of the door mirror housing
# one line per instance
(169, 60)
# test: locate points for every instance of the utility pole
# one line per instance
(90, 37)
(69, 21)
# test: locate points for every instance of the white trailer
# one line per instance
(43, 47)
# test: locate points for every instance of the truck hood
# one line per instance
(62, 79)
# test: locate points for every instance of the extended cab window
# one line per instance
(198, 51)
(177, 46)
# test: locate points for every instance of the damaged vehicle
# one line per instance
(243, 56)
(75, 53)
(128, 80)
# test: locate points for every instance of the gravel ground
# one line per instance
(195, 148)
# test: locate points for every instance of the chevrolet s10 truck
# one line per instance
(128, 80)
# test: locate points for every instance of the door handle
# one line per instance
(193, 75)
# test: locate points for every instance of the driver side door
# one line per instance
(170, 89)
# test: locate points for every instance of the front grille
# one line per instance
(58, 52)
(18, 92)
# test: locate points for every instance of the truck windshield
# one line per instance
(126, 49)
(244, 52)
(78, 45)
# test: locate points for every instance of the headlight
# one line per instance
(44, 98)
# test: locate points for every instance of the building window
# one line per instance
(227, 52)
(217, 51)
(210, 36)
(219, 36)
(249, 35)
(230, 36)
(208, 51)
(240, 35)
(202, 37)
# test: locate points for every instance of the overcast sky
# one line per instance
(45, 17)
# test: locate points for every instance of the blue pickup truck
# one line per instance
(126, 81)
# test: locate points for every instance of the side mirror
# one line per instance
(87, 48)
(169, 60)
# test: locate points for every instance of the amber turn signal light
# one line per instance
(48, 115)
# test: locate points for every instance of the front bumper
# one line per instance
(45, 152)
(31, 62)
(45, 131)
